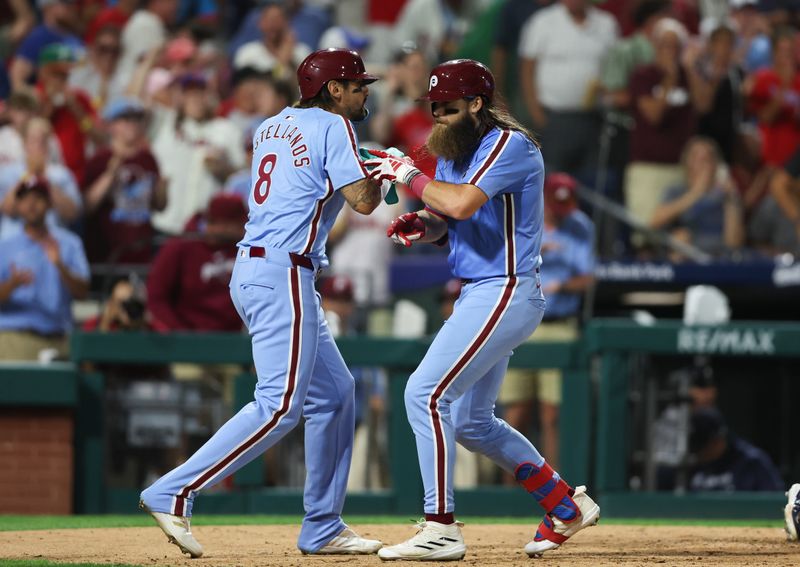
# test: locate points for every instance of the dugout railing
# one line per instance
(595, 424)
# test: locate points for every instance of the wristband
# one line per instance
(418, 183)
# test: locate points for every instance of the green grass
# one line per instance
(8, 523)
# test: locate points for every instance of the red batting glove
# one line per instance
(406, 228)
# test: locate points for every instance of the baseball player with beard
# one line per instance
(305, 167)
(486, 200)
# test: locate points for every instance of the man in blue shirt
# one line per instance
(567, 272)
(486, 200)
(41, 270)
(58, 23)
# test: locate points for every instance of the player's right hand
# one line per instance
(406, 228)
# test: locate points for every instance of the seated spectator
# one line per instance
(775, 226)
(277, 50)
(124, 310)
(59, 24)
(705, 210)
(69, 110)
(196, 152)
(273, 96)
(64, 194)
(122, 188)
(663, 108)
(775, 98)
(97, 75)
(567, 273)
(724, 462)
(42, 269)
(20, 108)
(187, 287)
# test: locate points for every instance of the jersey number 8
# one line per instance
(264, 180)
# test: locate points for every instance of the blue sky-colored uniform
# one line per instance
(570, 253)
(302, 158)
(450, 397)
(44, 305)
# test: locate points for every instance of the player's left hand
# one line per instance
(397, 169)
(406, 228)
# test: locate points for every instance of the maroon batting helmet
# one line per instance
(459, 78)
(329, 64)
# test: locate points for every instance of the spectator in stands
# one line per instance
(717, 81)
(196, 152)
(513, 15)
(278, 50)
(69, 110)
(436, 26)
(775, 226)
(97, 74)
(724, 462)
(360, 251)
(110, 16)
(42, 269)
(368, 470)
(58, 26)
(16, 21)
(187, 287)
(238, 183)
(705, 210)
(775, 98)
(65, 200)
(663, 109)
(144, 32)
(20, 108)
(753, 50)
(561, 51)
(401, 120)
(124, 310)
(567, 273)
(242, 107)
(123, 187)
(273, 96)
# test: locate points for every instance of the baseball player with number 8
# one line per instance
(305, 167)
(486, 200)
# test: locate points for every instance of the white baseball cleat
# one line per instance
(178, 531)
(433, 542)
(791, 513)
(349, 542)
(553, 532)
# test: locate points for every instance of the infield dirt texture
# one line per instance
(490, 544)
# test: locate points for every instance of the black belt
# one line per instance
(297, 259)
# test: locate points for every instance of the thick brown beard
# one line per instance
(454, 142)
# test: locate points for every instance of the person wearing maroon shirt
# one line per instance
(122, 187)
(187, 287)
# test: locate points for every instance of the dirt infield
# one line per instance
(273, 546)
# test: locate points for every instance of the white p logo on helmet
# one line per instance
(434, 82)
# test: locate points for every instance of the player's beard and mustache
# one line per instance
(454, 142)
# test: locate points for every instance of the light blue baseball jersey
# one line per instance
(44, 305)
(301, 158)
(504, 236)
(570, 253)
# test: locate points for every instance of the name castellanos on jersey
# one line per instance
(289, 132)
